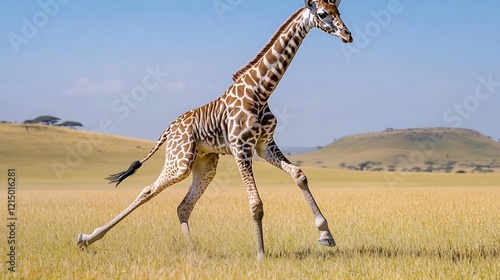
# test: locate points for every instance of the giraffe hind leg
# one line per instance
(173, 172)
(85, 240)
(203, 172)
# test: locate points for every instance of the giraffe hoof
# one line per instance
(82, 244)
(330, 242)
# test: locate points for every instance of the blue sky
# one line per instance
(131, 67)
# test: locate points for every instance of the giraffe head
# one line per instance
(327, 18)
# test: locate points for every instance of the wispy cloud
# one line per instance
(87, 87)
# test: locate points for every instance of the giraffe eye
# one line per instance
(322, 15)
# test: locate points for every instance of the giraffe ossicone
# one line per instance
(239, 123)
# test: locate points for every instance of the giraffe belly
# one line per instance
(210, 145)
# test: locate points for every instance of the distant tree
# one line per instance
(343, 164)
(447, 168)
(70, 124)
(362, 165)
(389, 129)
(48, 120)
(416, 169)
(367, 165)
(27, 126)
(479, 168)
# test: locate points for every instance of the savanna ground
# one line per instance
(440, 226)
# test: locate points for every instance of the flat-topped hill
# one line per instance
(424, 149)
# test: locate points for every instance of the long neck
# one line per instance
(265, 71)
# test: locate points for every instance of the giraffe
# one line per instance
(239, 123)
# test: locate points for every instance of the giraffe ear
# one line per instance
(311, 4)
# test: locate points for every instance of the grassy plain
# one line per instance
(411, 231)
(387, 225)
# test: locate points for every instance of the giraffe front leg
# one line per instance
(325, 238)
(256, 205)
(273, 155)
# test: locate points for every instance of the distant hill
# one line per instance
(56, 155)
(415, 150)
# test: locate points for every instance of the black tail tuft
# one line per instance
(119, 177)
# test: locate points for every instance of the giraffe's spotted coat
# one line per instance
(239, 123)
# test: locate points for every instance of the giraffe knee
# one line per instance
(258, 215)
(257, 210)
(183, 212)
(146, 193)
(300, 179)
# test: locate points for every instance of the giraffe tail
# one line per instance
(120, 176)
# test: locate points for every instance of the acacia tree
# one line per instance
(48, 120)
(70, 124)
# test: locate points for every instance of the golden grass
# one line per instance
(381, 232)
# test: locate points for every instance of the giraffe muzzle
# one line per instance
(346, 36)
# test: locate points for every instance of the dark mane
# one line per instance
(268, 46)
